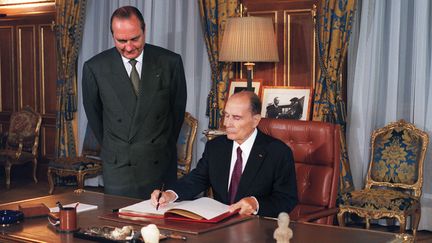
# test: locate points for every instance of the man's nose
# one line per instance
(128, 46)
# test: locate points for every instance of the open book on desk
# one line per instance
(203, 209)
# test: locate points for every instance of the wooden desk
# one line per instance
(255, 230)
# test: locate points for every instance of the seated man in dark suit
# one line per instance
(246, 169)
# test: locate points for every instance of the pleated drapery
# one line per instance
(333, 27)
(69, 25)
(214, 14)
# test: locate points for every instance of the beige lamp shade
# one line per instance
(249, 39)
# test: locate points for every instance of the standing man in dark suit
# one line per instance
(134, 96)
(265, 182)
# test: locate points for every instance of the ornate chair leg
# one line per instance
(367, 222)
(340, 218)
(34, 170)
(80, 178)
(415, 218)
(402, 223)
(7, 172)
(51, 181)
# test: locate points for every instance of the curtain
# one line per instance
(69, 25)
(390, 78)
(214, 14)
(333, 24)
(174, 25)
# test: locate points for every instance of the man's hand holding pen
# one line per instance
(162, 198)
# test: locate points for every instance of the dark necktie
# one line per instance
(134, 76)
(235, 177)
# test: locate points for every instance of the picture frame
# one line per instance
(292, 102)
(21, 2)
(237, 85)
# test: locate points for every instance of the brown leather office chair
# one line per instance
(316, 149)
(185, 144)
(22, 139)
(88, 163)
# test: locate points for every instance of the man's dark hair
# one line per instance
(126, 12)
(255, 102)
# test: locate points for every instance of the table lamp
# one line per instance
(249, 39)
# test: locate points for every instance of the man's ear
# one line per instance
(257, 119)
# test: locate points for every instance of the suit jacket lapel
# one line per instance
(253, 165)
(150, 81)
(120, 83)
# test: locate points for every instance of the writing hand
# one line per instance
(166, 198)
(247, 206)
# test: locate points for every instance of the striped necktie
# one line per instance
(235, 177)
(134, 76)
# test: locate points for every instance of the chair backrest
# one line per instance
(91, 146)
(185, 143)
(24, 128)
(316, 149)
(397, 155)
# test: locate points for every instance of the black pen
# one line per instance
(160, 195)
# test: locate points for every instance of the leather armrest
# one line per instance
(320, 214)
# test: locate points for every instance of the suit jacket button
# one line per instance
(129, 164)
(119, 120)
(156, 162)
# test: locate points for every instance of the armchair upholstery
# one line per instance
(316, 149)
(21, 142)
(395, 177)
(88, 163)
(185, 143)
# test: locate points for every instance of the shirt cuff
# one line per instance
(176, 196)
(256, 211)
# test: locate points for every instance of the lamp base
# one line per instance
(249, 68)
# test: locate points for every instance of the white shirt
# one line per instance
(246, 148)
(138, 65)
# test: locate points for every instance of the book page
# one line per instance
(82, 207)
(145, 207)
(205, 207)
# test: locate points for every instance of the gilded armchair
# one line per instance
(395, 177)
(21, 141)
(185, 144)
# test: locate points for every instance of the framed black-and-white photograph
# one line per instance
(282, 102)
(237, 85)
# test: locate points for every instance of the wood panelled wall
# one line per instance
(28, 59)
(294, 27)
(28, 73)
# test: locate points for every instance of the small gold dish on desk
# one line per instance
(403, 238)
(127, 234)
